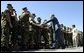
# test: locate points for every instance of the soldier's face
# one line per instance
(39, 21)
(9, 7)
(25, 10)
(33, 16)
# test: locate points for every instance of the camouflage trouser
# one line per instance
(5, 37)
(45, 35)
(30, 39)
(37, 37)
(3, 23)
(27, 36)
(2, 37)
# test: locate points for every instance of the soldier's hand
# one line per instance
(41, 26)
(44, 27)
(44, 23)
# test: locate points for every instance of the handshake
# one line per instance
(44, 26)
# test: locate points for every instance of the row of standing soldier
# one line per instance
(27, 33)
(23, 30)
(72, 36)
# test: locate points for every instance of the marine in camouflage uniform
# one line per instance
(24, 27)
(36, 30)
(32, 32)
(9, 17)
(45, 32)
(3, 23)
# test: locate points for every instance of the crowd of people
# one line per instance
(26, 33)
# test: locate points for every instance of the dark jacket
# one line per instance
(54, 21)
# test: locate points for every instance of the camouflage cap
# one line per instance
(9, 5)
(73, 25)
(24, 8)
(39, 18)
(34, 14)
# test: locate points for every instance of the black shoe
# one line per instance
(53, 46)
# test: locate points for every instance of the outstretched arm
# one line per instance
(31, 21)
(48, 21)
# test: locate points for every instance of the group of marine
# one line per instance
(27, 33)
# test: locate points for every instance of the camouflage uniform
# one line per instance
(33, 31)
(31, 39)
(10, 17)
(3, 37)
(24, 29)
(24, 26)
(45, 35)
(5, 29)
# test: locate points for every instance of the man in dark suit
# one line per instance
(56, 32)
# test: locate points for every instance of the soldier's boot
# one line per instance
(46, 46)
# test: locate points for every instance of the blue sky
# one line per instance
(67, 12)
